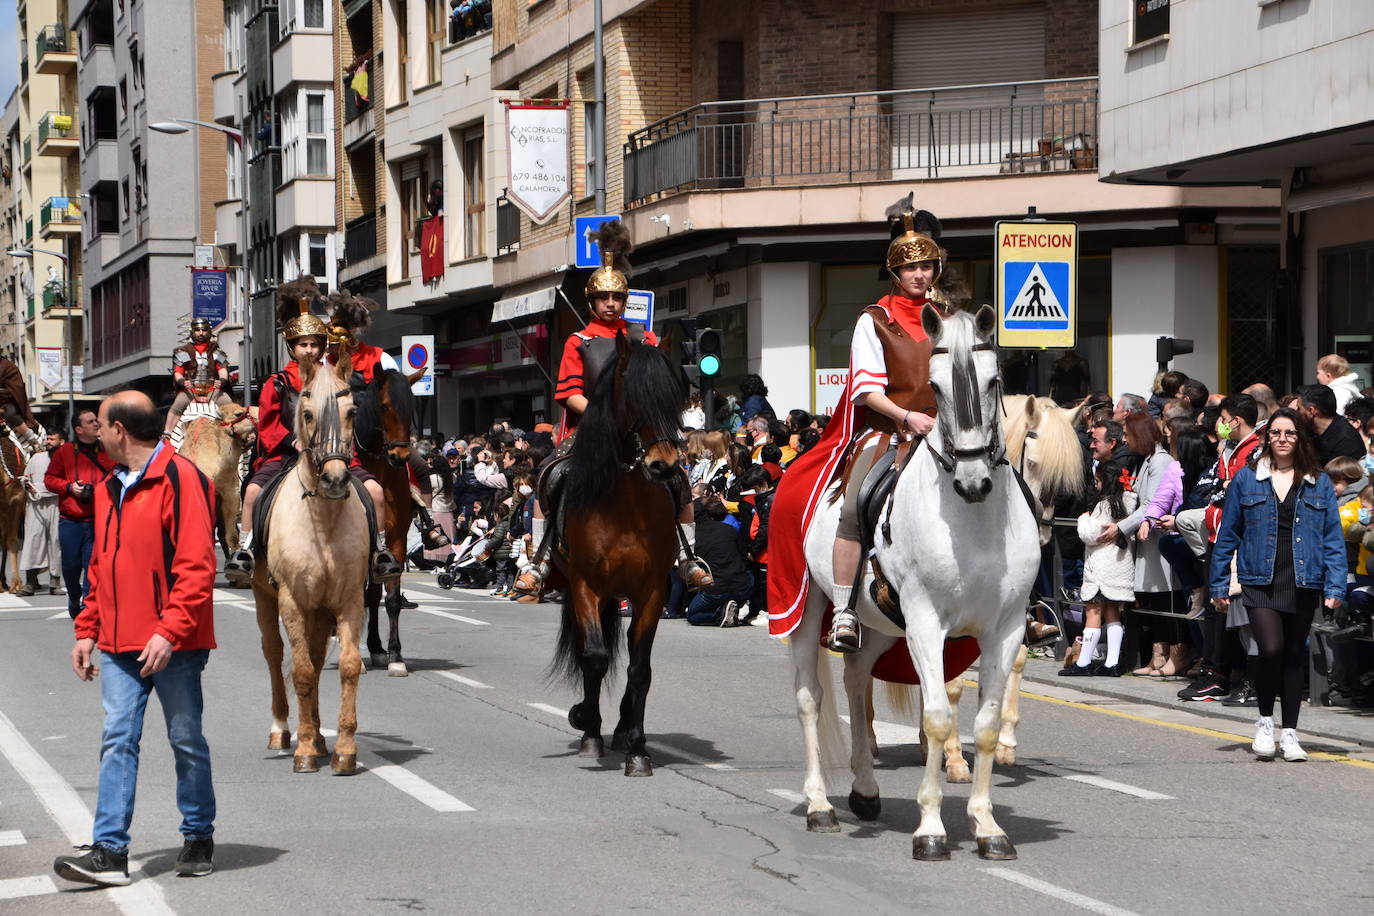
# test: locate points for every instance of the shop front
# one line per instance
(500, 376)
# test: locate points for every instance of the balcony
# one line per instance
(224, 110)
(948, 132)
(360, 239)
(54, 53)
(28, 230)
(358, 111)
(59, 216)
(58, 134)
(55, 296)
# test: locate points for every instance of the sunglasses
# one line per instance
(1284, 434)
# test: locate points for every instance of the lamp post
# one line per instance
(178, 126)
(66, 321)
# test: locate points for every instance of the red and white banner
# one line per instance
(538, 155)
(432, 248)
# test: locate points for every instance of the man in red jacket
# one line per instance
(151, 613)
(73, 473)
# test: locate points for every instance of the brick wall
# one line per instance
(214, 157)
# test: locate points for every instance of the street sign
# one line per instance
(1037, 284)
(209, 295)
(417, 352)
(639, 307)
(588, 252)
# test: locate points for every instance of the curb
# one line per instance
(1244, 715)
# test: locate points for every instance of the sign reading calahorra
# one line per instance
(538, 155)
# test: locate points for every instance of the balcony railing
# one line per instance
(23, 69)
(28, 229)
(507, 226)
(57, 125)
(360, 239)
(946, 132)
(62, 210)
(55, 296)
(52, 38)
(28, 149)
(355, 103)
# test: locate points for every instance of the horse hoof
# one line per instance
(591, 747)
(378, 659)
(344, 764)
(995, 849)
(575, 717)
(822, 821)
(864, 807)
(958, 774)
(305, 763)
(931, 848)
(279, 741)
(639, 765)
(1005, 755)
(619, 742)
(397, 669)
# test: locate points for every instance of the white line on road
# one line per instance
(1117, 786)
(691, 758)
(458, 617)
(13, 601)
(466, 681)
(788, 795)
(71, 815)
(12, 838)
(14, 888)
(60, 615)
(419, 789)
(1050, 890)
(551, 710)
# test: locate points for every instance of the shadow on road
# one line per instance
(228, 857)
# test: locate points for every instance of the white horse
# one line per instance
(958, 513)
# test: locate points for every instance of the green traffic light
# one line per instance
(709, 364)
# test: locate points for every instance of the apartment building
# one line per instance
(13, 302)
(1273, 95)
(46, 177)
(753, 148)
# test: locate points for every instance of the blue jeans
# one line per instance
(705, 610)
(125, 696)
(75, 540)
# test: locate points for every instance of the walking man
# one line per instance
(151, 614)
(73, 472)
(41, 547)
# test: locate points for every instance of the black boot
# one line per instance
(431, 535)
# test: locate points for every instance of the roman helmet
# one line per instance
(614, 240)
(294, 317)
(203, 324)
(349, 316)
(915, 238)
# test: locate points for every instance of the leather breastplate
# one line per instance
(908, 370)
(600, 352)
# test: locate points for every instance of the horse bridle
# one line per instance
(968, 410)
(331, 445)
(641, 449)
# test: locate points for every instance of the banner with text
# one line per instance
(538, 155)
(209, 295)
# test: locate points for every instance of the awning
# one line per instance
(541, 300)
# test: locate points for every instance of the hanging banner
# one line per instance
(209, 291)
(538, 155)
(432, 248)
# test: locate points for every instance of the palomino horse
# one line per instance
(620, 539)
(316, 565)
(386, 413)
(956, 504)
(216, 446)
(12, 503)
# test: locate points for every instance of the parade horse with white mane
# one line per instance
(960, 546)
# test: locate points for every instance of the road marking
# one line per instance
(70, 812)
(224, 594)
(13, 601)
(14, 888)
(419, 789)
(690, 757)
(1117, 786)
(551, 710)
(788, 795)
(466, 681)
(59, 616)
(12, 838)
(1058, 893)
(458, 617)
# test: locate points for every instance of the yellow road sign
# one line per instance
(1037, 284)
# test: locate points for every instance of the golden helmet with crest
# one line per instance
(915, 237)
(294, 316)
(613, 274)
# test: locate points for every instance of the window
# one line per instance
(314, 14)
(316, 143)
(319, 267)
(402, 50)
(123, 98)
(124, 198)
(589, 146)
(140, 180)
(305, 140)
(1151, 20)
(231, 168)
(133, 57)
(474, 197)
(233, 36)
(414, 186)
(305, 14)
(434, 26)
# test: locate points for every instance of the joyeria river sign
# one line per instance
(1037, 284)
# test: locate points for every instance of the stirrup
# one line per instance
(239, 569)
(1039, 635)
(531, 579)
(695, 574)
(844, 633)
(433, 538)
(384, 565)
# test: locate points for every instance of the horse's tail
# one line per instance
(904, 700)
(578, 641)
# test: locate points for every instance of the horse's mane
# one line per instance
(1061, 455)
(367, 426)
(653, 397)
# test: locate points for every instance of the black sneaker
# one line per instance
(1244, 695)
(1077, 670)
(1204, 691)
(407, 603)
(98, 865)
(194, 861)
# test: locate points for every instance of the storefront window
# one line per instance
(1347, 305)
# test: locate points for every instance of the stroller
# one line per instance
(467, 567)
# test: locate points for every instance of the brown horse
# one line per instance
(216, 447)
(316, 564)
(386, 414)
(620, 539)
(12, 503)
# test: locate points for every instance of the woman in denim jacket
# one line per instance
(1280, 520)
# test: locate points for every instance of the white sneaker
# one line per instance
(1263, 745)
(1292, 750)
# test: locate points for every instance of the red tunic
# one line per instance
(570, 380)
(275, 436)
(366, 359)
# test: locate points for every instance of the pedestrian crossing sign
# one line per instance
(1037, 284)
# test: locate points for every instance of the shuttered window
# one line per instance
(997, 45)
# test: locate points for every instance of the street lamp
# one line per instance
(19, 252)
(179, 126)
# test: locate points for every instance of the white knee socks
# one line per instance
(537, 531)
(841, 595)
(1085, 654)
(1115, 633)
(246, 540)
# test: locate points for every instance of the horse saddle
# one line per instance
(262, 510)
(550, 489)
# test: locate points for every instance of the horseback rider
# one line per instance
(585, 354)
(306, 335)
(201, 372)
(15, 414)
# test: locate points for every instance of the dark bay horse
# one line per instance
(620, 539)
(386, 415)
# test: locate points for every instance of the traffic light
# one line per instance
(707, 351)
(1166, 348)
(701, 357)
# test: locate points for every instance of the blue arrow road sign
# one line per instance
(588, 252)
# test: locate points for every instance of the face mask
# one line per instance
(1223, 429)
(1366, 515)
(525, 490)
(1368, 464)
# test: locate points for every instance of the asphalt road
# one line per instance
(472, 798)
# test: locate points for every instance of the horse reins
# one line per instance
(329, 433)
(968, 410)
